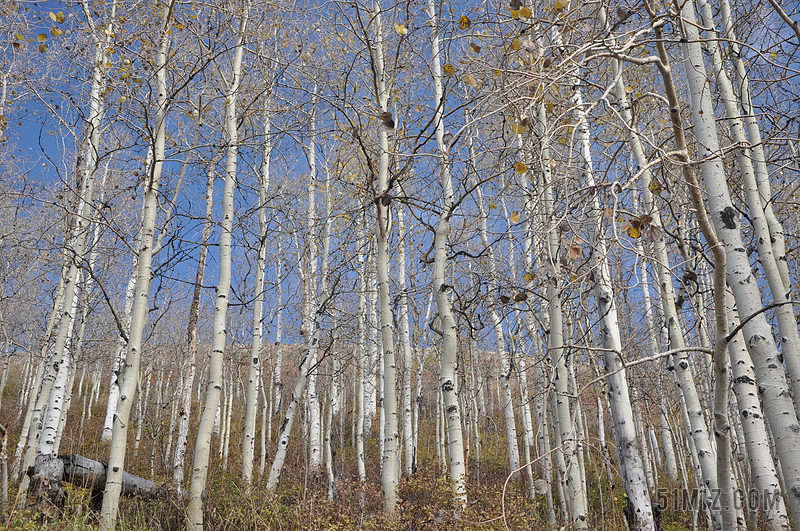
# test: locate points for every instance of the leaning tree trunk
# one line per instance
(194, 518)
(787, 324)
(47, 470)
(683, 376)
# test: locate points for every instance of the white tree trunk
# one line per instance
(448, 376)
(764, 475)
(503, 359)
(683, 376)
(191, 362)
(630, 458)
(362, 359)
(194, 519)
(312, 302)
(778, 405)
(254, 374)
(116, 459)
(405, 341)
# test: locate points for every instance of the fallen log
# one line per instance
(91, 474)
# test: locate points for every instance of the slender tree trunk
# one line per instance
(194, 309)
(254, 378)
(765, 477)
(116, 460)
(194, 519)
(630, 458)
(405, 340)
(448, 375)
(362, 360)
(696, 423)
(312, 302)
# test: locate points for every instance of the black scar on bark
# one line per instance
(727, 215)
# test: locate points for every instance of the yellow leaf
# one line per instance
(60, 17)
(401, 30)
(52, 16)
(634, 232)
(475, 47)
(42, 37)
(516, 44)
(528, 277)
(548, 106)
(515, 217)
(470, 81)
(56, 32)
(514, 14)
(464, 22)
(492, 206)
(520, 167)
(180, 27)
(43, 48)
(518, 129)
(773, 55)
(497, 73)
(558, 5)
(19, 36)
(524, 13)
(449, 70)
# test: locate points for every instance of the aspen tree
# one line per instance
(503, 358)
(405, 341)
(191, 333)
(448, 376)
(787, 324)
(53, 387)
(194, 518)
(760, 342)
(311, 299)
(116, 460)
(311, 320)
(254, 374)
(694, 421)
(391, 438)
(628, 453)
